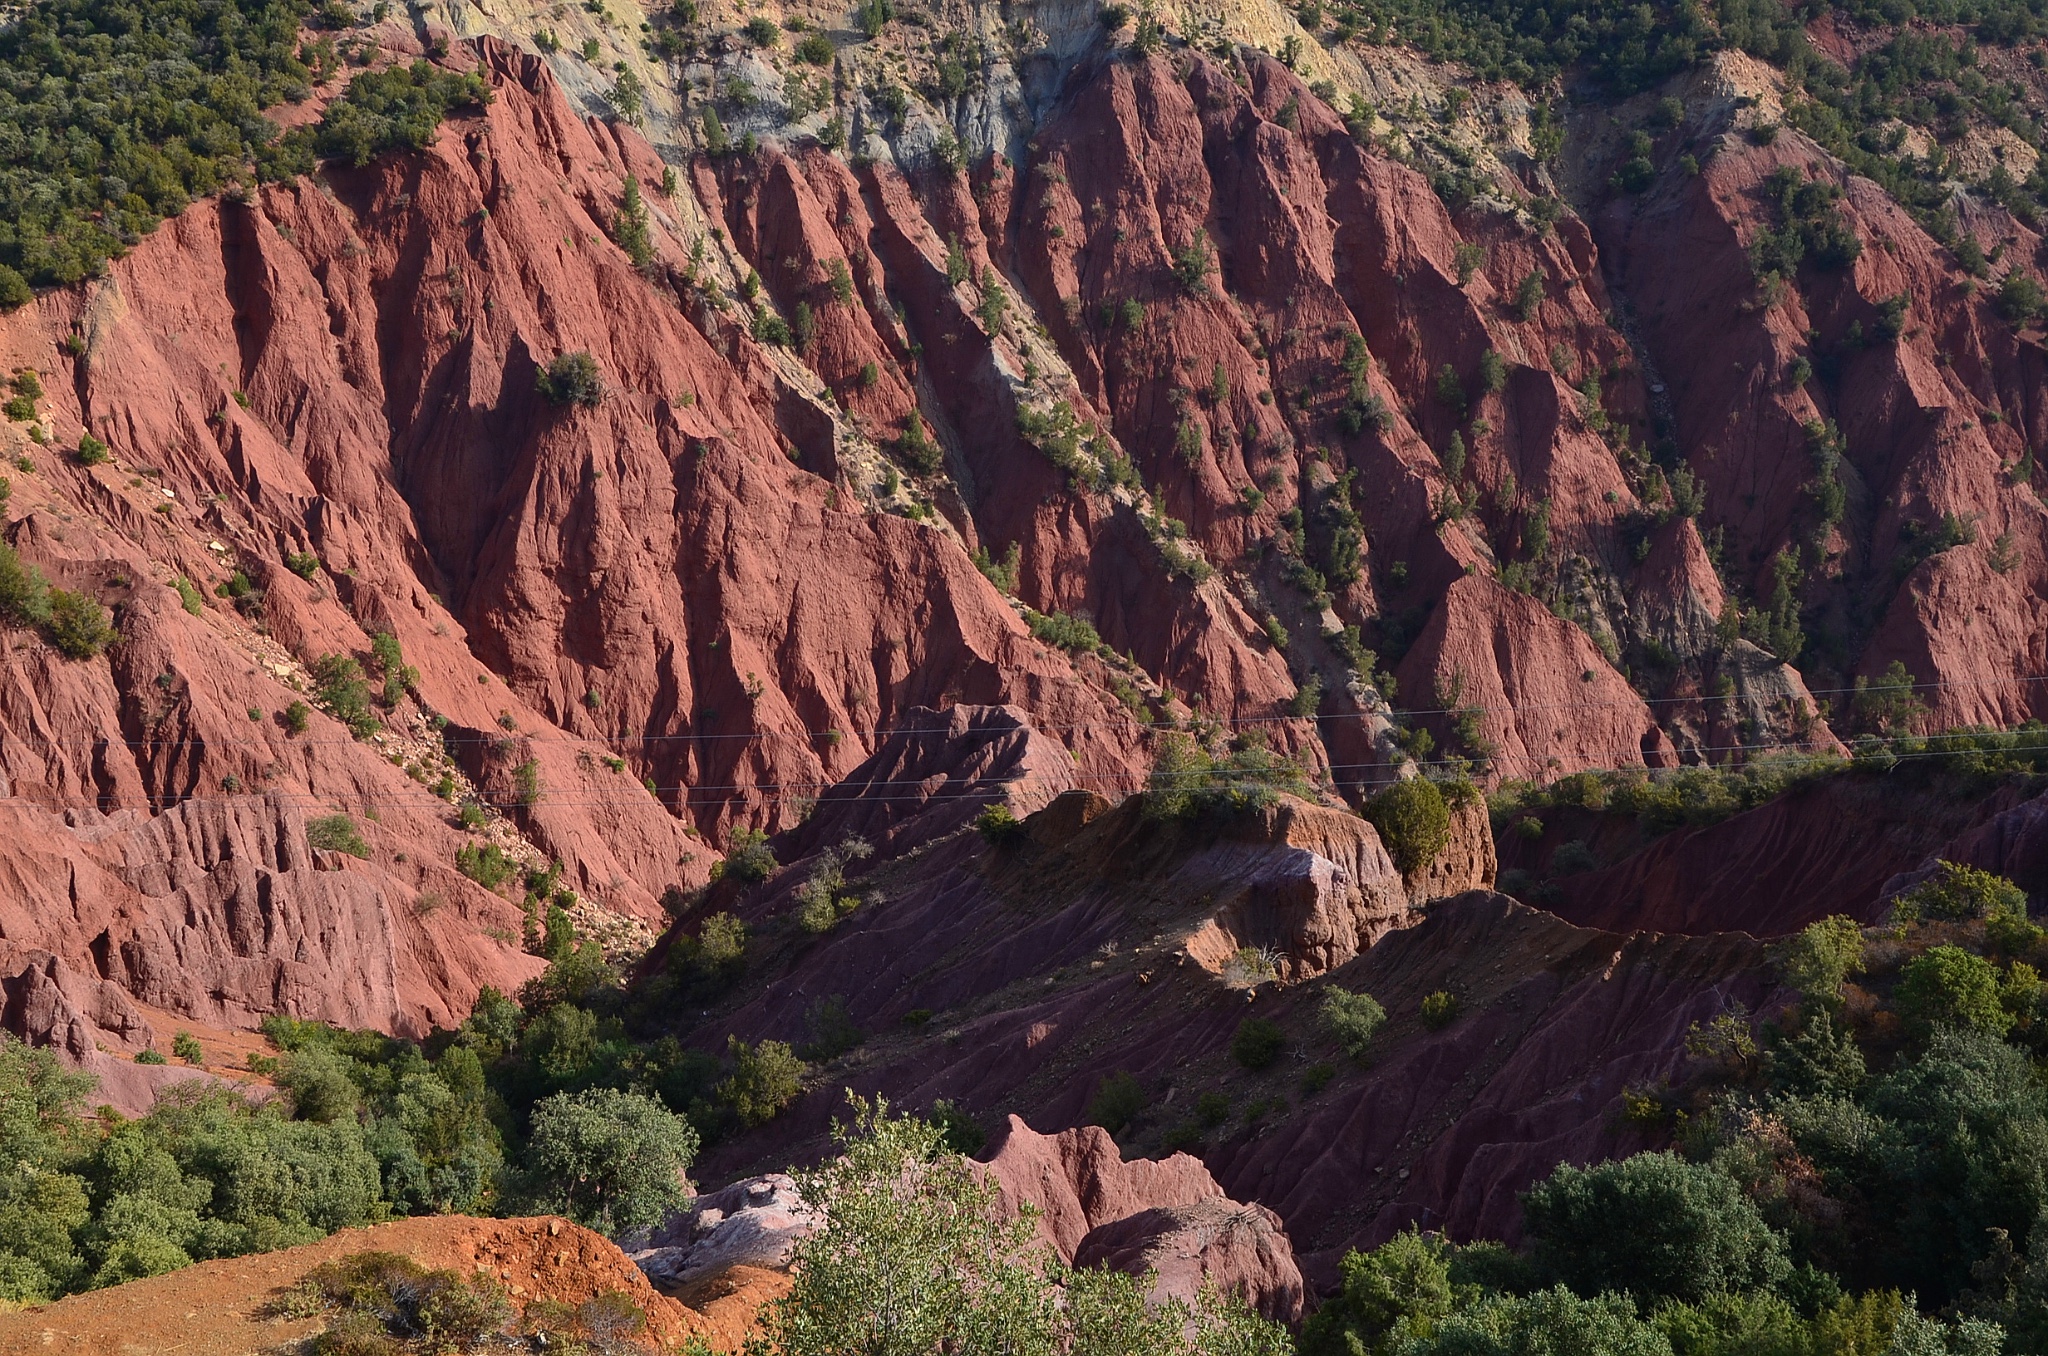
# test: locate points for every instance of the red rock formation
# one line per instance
(1547, 699)
(1163, 1216)
(1930, 422)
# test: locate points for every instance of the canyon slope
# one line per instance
(639, 485)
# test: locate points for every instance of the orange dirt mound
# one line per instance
(215, 1308)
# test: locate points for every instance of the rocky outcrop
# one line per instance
(934, 773)
(1544, 696)
(1213, 1244)
(1163, 1216)
(754, 1223)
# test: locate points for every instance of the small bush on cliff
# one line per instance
(1188, 780)
(1118, 1100)
(748, 858)
(486, 864)
(572, 379)
(1353, 1019)
(998, 826)
(1820, 959)
(629, 226)
(24, 592)
(1075, 634)
(343, 692)
(78, 625)
(377, 1300)
(1947, 986)
(1439, 1010)
(1414, 822)
(394, 109)
(608, 1159)
(1956, 893)
(336, 833)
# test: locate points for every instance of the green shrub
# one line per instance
(186, 1046)
(1188, 780)
(1414, 822)
(1439, 1010)
(151, 1056)
(485, 863)
(189, 597)
(1117, 1101)
(79, 626)
(377, 1300)
(398, 676)
(1352, 1018)
(1654, 1225)
(1075, 634)
(762, 32)
(1820, 959)
(765, 1078)
(1257, 1043)
(91, 451)
(336, 833)
(1402, 1286)
(629, 226)
(343, 692)
(24, 593)
(608, 1159)
(297, 717)
(815, 50)
(571, 379)
(900, 1204)
(1947, 986)
(998, 826)
(304, 564)
(748, 858)
(1960, 892)
(394, 109)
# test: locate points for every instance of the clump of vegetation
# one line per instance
(485, 863)
(1352, 1018)
(1188, 780)
(571, 379)
(998, 826)
(1257, 1043)
(1439, 1010)
(1413, 818)
(344, 693)
(336, 833)
(823, 899)
(765, 1078)
(383, 1302)
(609, 1159)
(1071, 633)
(77, 625)
(748, 858)
(394, 109)
(1118, 1100)
(1666, 799)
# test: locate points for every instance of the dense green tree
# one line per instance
(609, 1159)
(1654, 1225)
